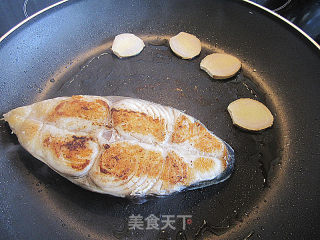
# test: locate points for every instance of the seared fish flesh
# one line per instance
(121, 146)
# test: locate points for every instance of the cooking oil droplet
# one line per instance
(181, 236)
(163, 235)
(249, 235)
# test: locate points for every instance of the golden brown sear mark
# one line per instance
(121, 160)
(74, 149)
(96, 111)
(181, 132)
(175, 171)
(203, 164)
(31, 130)
(196, 134)
(131, 121)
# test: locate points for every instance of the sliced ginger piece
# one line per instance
(127, 45)
(220, 66)
(250, 114)
(185, 45)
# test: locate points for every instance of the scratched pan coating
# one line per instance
(59, 54)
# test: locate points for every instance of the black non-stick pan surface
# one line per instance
(273, 192)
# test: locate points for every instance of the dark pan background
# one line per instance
(274, 190)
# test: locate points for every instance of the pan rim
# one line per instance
(246, 1)
(29, 18)
(70, 2)
(284, 20)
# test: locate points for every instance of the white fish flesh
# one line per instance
(121, 146)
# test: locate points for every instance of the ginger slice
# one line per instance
(250, 114)
(185, 45)
(127, 45)
(220, 66)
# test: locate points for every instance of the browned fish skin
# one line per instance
(182, 130)
(131, 121)
(176, 171)
(196, 134)
(115, 161)
(119, 161)
(78, 107)
(72, 148)
(203, 164)
(31, 129)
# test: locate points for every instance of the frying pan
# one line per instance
(273, 192)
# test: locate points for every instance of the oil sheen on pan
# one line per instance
(122, 146)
